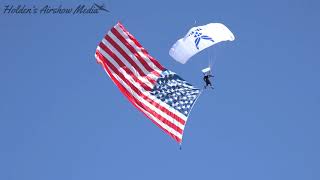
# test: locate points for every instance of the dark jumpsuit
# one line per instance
(207, 81)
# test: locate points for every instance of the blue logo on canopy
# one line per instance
(197, 34)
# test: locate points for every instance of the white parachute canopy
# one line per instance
(199, 38)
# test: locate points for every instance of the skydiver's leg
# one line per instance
(211, 85)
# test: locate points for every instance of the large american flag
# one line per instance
(160, 94)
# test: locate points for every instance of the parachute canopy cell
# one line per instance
(197, 39)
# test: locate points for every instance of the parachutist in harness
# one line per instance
(207, 80)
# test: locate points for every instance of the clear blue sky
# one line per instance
(62, 118)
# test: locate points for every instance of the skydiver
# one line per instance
(207, 80)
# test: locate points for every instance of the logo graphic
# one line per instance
(197, 34)
(101, 7)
